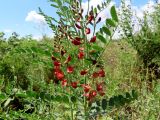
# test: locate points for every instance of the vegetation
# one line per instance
(76, 77)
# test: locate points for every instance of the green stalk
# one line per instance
(71, 108)
(70, 102)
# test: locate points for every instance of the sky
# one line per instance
(22, 16)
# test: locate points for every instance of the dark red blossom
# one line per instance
(80, 55)
(64, 82)
(53, 58)
(86, 87)
(92, 94)
(74, 84)
(90, 18)
(77, 38)
(94, 62)
(76, 42)
(101, 73)
(88, 31)
(99, 87)
(93, 39)
(70, 69)
(57, 63)
(63, 52)
(83, 72)
(95, 75)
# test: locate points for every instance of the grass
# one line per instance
(123, 75)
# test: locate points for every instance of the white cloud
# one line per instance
(33, 16)
(37, 37)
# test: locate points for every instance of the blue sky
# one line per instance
(13, 15)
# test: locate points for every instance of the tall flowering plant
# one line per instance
(78, 49)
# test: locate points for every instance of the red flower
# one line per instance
(77, 38)
(83, 72)
(90, 18)
(57, 64)
(53, 58)
(86, 88)
(64, 82)
(88, 30)
(74, 84)
(80, 55)
(95, 75)
(99, 87)
(93, 39)
(68, 59)
(78, 26)
(101, 73)
(76, 42)
(59, 74)
(70, 69)
(92, 93)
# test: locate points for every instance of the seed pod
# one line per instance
(78, 26)
(99, 20)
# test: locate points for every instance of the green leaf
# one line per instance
(104, 104)
(106, 31)
(60, 14)
(96, 47)
(65, 8)
(98, 6)
(59, 2)
(134, 94)
(73, 99)
(110, 22)
(101, 38)
(95, 10)
(2, 96)
(101, 30)
(31, 94)
(111, 101)
(114, 13)
(54, 5)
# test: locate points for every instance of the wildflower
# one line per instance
(80, 55)
(83, 72)
(101, 73)
(93, 39)
(86, 88)
(57, 63)
(74, 84)
(87, 30)
(76, 42)
(95, 75)
(70, 69)
(64, 82)
(59, 74)
(90, 18)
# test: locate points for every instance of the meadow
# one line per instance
(104, 79)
